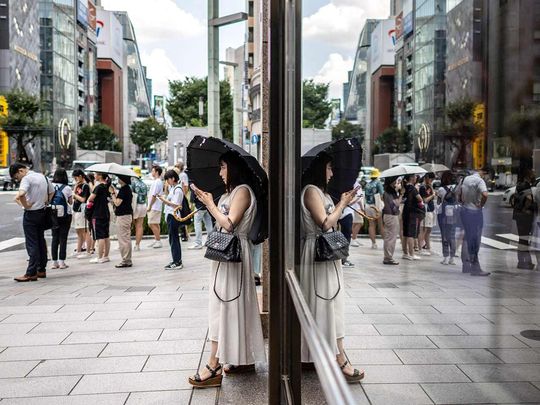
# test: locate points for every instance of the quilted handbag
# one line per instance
(331, 246)
(223, 247)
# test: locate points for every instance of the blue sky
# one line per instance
(172, 36)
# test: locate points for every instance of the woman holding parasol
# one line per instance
(322, 281)
(235, 330)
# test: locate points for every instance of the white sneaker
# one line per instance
(425, 253)
(354, 243)
(374, 246)
(84, 255)
(407, 257)
(452, 261)
(55, 265)
(445, 261)
(157, 244)
(62, 265)
(152, 244)
(94, 260)
(415, 257)
(195, 247)
(74, 255)
(137, 248)
(104, 260)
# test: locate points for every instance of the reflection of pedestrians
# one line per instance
(201, 216)
(473, 195)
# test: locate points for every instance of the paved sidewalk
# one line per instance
(423, 332)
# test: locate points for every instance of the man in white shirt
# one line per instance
(155, 207)
(473, 195)
(180, 168)
(35, 192)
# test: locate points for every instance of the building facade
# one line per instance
(235, 75)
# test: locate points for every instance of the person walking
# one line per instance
(201, 216)
(447, 218)
(172, 201)
(101, 217)
(235, 330)
(81, 192)
(140, 201)
(62, 201)
(373, 194)
(428, 195)
(525, 209)
(473, 196)
(322, 282)
(358, 219)
(155, 207)
(35, 192)
(412, 207)
(392, 201)
(123, 209)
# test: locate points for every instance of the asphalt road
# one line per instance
(497, 219)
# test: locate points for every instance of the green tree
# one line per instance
(345, 129)
(146, 133)
(316, 107)
(393, 140)
(183, 105)
(462, 129)
(23, 122)
(97, 137)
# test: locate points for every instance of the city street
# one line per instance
(424, 333)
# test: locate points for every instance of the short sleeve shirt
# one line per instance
(471, 191)
(36, 188)
(82, 190)
(156, 189)
(125, 207)
(176, 195)
(425, 192)
(101, 202)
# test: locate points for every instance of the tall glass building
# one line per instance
(58, 73)
(429, 67)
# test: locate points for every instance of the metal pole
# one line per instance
(213, 71)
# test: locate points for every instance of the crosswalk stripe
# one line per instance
(496, 244)
(510, 236)
(6, 244)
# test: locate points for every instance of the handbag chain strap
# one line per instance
(339, 285)
(239, 289)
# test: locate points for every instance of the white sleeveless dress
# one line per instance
(328, 314)
(236, 325)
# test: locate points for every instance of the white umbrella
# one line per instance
(402, 170)
(435, 167)
(112, 168)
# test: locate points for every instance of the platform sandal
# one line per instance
(357, 374)
(245, 368)
(213, 381)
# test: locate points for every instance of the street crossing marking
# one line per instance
(6, 244)
(496, 244)
(510, 236)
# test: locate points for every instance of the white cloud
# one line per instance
(340, 21)
(334, 71)
(161, 69)
(162, 20)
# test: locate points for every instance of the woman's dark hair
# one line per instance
(91, 178)
(447, 178)
(236, 170)
(388, 185)
(408, 177)
(80, 173)
(429, 176)
(60, 176)
(316, 174)
(171, 174)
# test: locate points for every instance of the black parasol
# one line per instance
(203, 155)
(346, 155)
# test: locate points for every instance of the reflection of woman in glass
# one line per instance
(322, 282)
(235, 330)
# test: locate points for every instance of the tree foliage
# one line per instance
(316, 107)
(23, 122)
(183, 105)
(462, 129)
(146, 133)
(345, 129)
(393, 140)
(97, 137)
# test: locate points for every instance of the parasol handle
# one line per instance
(364, 215)
(178, 216)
